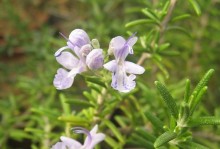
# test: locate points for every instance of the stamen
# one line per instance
(66, 38)
(133, 35)
(84, 131)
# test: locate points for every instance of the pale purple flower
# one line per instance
(75, 62)
(120, 68)
(91, 140)
(95, 59)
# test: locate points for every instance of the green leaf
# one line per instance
(191, 145)
(196, 100)
(139, 22)
(184, 16)
(144, 134)
(172, 123)
(79, 103)
(196, 6)
(95, 80)
(171, 104)
(88, 96)
(114, 130)
(66, 107)
(181, 29)
(164, 46)
(203, 82)
(164, 138)
(74, 120)
(121, 120)
(169, 53)
(141, 142)
(151, 15)
(184, 115)
(161, 67)
(111, 142)
(155, 121)
(165, 7)
(187, 91)
(210, 120)
(18, 134)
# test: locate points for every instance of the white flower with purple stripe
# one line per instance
(91, 140)
(76, 61)
(120, 68)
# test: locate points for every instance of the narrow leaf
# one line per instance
(111, 142)
(161, 67)
(143, 133)
(158, 124)
(88, 96)
(187, 91)
(195, 101)
(196, 6)
(114, 130)
(164, 138)
(79, 103)
(66, 107)
(203, 82)
(164, 46)
(169, 53)
(184, 16)
(191, 145)
(141, 142)
(210, 120)
(74, 120)
(151, 15)
(171, 104)
(96, 81)
(139, 22)
(165, 7)
(183, 115)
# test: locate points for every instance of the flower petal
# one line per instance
(67, 60)
(94, 130)
(95, 140)
(85, 50)
(62, 80)
(111, 66)
(70, 143)
(118, 42)
(58, 52)
(133, 68)
(95, 59)
(59, 145)
(132, 41)
(78, 37)
(122, 82)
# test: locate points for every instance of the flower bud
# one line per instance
(95, 44)
(85, 50)
(111, 48)
(95, 59)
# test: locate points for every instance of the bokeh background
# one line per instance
(29, 36)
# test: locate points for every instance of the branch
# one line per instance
(167, 19)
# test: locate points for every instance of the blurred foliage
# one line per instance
(184, 43)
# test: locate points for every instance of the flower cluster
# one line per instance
(82, 55)
(119, 67)
(86, 56)
(91, 140)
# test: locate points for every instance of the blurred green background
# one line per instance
(29, 36)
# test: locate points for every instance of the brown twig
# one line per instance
(167, 18)
(163, 27)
